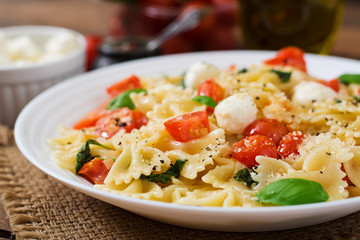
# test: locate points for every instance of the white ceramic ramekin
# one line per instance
(18, 85)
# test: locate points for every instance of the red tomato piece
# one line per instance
(131, 82)
(90, 119)
(289, 56)
(246, 150)
(92, 44)
(140, 119)
(189, 126)
(211, 89)
(290, 143)
(333, 84)
(111, 123)
(270, 128)
(95, 171)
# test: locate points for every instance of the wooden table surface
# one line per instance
(92, 16)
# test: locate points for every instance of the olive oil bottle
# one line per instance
(272, 24)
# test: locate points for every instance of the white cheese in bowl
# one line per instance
(26, 50)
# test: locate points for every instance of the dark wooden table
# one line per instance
(92, 17)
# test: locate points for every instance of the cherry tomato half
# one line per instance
(189, 126)
(246, 150)
(95, 171)
(123, 85)
(333, 84)
(211, 89)
(290, 143)
(122, 118)
(270, 128)
(90, 119)
(289, 56)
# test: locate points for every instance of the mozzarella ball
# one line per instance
(61, 44)
(236, 112)
(200, 72)
(307, 92)
(24, 49)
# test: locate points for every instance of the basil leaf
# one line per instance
(284, 76)
(349, 78)
(292, 191)
(173, 171)
(244, 175)
(83, 156)
(124, 100)
(357, 98)
(206, 100)
(244, 70)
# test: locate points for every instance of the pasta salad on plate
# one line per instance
(264, 135)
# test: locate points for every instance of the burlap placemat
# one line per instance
(41, 208)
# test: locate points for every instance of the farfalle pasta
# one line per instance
(222, 137)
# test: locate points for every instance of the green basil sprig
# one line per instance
(173, 171)
(206, 100)
(244, 70)
(292, 191)
(84, 156)
(124, 100)
(284, 76)
(244, 175)
(349, 78)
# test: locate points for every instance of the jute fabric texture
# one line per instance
(39, 207)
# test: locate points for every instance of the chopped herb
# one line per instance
(338, 101)
(244, 175)
(349, 78)
(284, 76)
(206, 100)
(292, 191)
(244, 70)
(124, 100)
(357, 98)
(173, 171)
(114, 159)
(182, 83)
(84, 155)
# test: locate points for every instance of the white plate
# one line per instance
(68, 101)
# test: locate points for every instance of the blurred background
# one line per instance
(320, 26)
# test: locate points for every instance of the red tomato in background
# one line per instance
(206, 24)
(189, 126)
(122, 118)
(211, 89)
(177, 44)
(289, 56)
(333, 84)
(221, 38)
(95, 171)
(92, 44)
(160, 2)
(246, 150)
(290, 143)
(123, 85)
(270, 128)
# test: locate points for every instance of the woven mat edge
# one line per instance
(12, 195)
